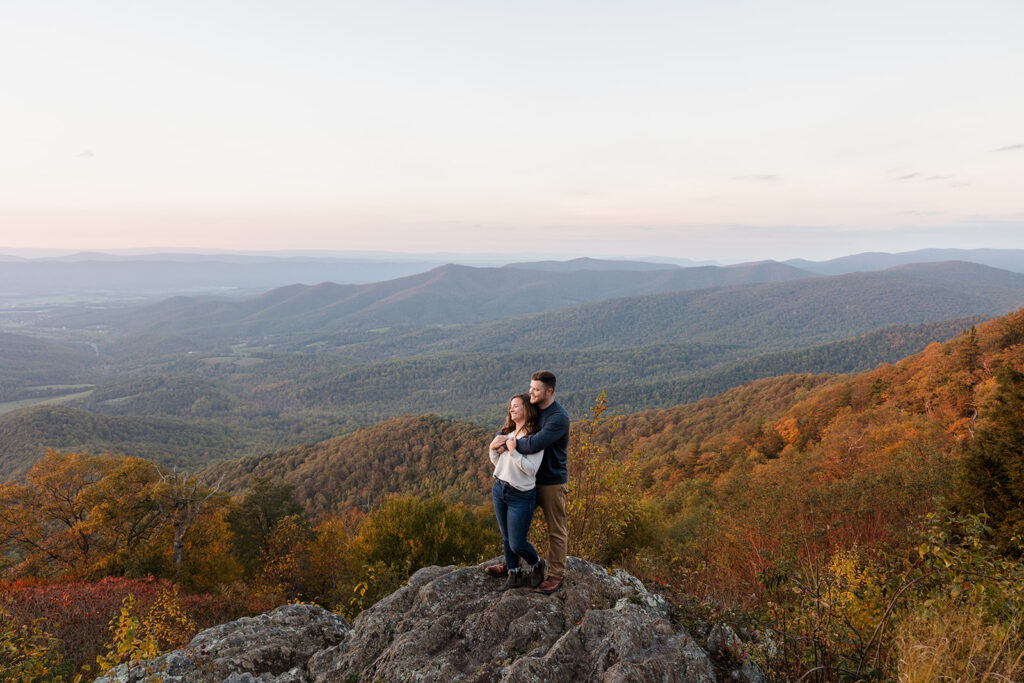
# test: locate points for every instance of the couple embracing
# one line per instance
(530, 458)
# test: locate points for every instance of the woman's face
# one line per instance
(516, 410)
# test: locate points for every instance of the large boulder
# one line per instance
(454, 624)
(274, 646)
(459, 624)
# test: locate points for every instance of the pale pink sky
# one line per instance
(732, 130)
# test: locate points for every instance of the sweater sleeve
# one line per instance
(555, 428)
(528, 463)
(494, 455)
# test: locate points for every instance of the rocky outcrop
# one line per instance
(454, 624)
(275, 646)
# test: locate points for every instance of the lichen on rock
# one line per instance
(453, 624)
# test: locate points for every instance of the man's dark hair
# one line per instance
(544, 376)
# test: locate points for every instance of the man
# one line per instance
(552, 437)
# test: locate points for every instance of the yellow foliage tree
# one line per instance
(603, 496)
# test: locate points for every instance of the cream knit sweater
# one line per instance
(515, 468)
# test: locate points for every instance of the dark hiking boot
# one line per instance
(539, 573)
(515, 579)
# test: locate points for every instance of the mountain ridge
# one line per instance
(449, 294)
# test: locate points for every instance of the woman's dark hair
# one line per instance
(531, 416)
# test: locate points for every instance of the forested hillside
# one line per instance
(750, 495)
(421, 455)
(178, 400)
(857, 520)
(466, 385)
(28, 365)
(702, 439)
(196, 412)
(27, 434)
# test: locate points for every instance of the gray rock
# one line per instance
(456, 624)
(723, 642)
(271, 648)
(452, 624)
(750, 672)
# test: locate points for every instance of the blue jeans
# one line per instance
(514, 510)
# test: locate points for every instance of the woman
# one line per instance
(515, 495)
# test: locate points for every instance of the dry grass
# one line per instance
(951, 642)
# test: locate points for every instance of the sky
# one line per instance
(731, 130)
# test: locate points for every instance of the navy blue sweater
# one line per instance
(552, 437)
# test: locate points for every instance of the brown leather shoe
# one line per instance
(496, 570)
(549, 585)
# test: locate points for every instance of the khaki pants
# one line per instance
(551, 499)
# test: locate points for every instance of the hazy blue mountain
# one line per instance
(772, 316)
(590, 264)
(448, 295)
(1006, 259)
(114, 276)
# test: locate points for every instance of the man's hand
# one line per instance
(498, 443)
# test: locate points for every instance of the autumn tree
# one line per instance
(180, 500)
(992, 472)
(406, 533)
(44, 523)
(264, 505)
(125, 518)
(604, 494)
(85, 516)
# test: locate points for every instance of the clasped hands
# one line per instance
(503, 442)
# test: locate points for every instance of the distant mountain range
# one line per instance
(759, 317)
(192, 379)
(126, 276)
(448, 295)
(768, 316)
(757, 308)
(590, 264)
(114, 277)
(1006, 259)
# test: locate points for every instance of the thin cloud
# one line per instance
(909, 176)
(1009, 148)
(757, 178)
(87, 154)
(939, 177)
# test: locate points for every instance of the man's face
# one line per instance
(539, 391)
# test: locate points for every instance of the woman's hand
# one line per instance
(510, 444)
(498, 442)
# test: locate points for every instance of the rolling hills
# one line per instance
(187, 419)
(457, 309)
(174, 380)
(903, 421)
(449, 295)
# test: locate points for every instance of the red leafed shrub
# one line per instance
(79, 614)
